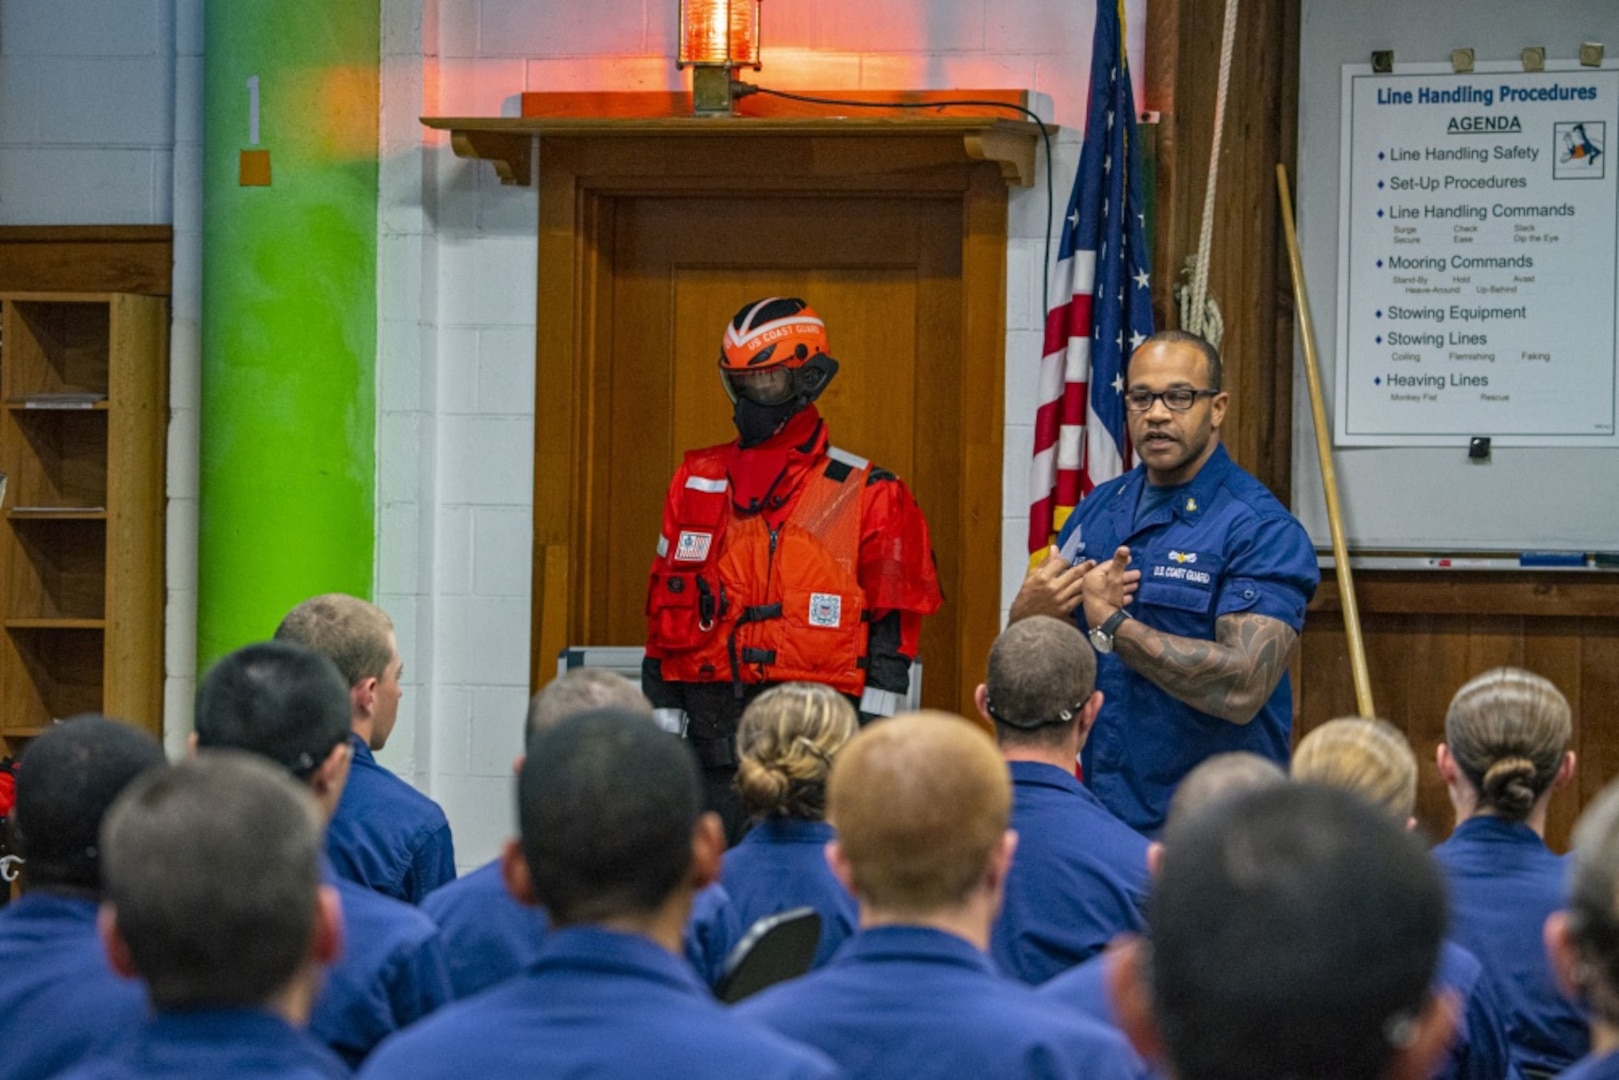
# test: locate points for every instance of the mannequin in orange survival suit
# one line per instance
(782, 558)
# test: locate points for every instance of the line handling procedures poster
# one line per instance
(1478, 238)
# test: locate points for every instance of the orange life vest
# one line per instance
(733, 600)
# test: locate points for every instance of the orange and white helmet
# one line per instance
(774, 352)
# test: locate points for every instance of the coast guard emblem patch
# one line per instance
(825, 609)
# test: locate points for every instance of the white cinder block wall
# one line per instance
(457, 307)
(86, 111)
(101, 124)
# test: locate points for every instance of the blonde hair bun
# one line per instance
(785, 744)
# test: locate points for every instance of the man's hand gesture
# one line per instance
(1052, 588)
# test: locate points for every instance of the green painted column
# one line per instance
(288, 441)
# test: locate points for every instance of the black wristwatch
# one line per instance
(1102, 636)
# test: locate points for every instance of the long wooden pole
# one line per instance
(1323, 451)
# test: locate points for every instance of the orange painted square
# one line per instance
(254, 170)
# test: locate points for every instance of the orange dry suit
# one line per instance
(790, 560)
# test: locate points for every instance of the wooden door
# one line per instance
(650, 241)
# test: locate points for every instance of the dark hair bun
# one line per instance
(1509, 787)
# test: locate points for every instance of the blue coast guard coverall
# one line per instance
(1222, 545)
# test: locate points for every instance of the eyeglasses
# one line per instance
(1177, 400)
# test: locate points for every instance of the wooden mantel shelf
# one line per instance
(508, 142)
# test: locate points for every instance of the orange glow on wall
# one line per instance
(724, 32)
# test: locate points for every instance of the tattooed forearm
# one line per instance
(1230, 677)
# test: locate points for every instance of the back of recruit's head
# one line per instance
(607, 803)
(213, 881)
(68, 778)
(1508, 731)
(1295, 932)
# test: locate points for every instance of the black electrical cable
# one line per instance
(742, 89)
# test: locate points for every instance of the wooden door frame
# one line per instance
(581, 176)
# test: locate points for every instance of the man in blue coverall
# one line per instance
(609, 996)
(921, 804)
(1294, 933)
(287, 703)
(1080, 876)
(1193, 663)
(59, 1000)
(386, 835)
(214, 899)
(489, 936)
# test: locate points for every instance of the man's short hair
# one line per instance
(607, 804)
(69, 776)
(1041, 673)
(275, 699)
(1196, 341)
(578, 690)
(1295, 932)
(350, 632)
(212, 871)
(920, 803)
(1218, 778)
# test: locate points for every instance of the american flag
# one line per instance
(1104, 309)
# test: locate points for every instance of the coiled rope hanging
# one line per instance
(1199, 312)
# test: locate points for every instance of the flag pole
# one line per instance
(1323, 449)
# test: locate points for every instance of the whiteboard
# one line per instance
(1432, 498)
(1477, 235)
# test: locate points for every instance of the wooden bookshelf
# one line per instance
(83, 377)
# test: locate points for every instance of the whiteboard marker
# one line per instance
(1552, 558)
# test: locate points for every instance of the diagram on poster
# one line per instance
(1478, 239)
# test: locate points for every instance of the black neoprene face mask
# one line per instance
(755, 423)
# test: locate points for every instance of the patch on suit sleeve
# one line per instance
(825, 609)
(693, 546)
